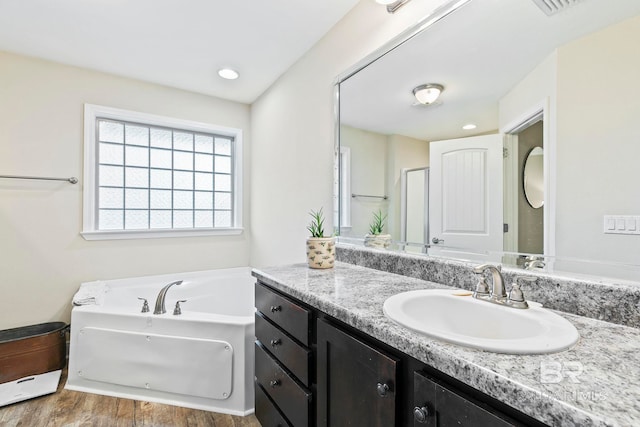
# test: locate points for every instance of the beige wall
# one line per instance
(43, 257)
(598, 142)
(368, 176)
(404, 153)
(293, 130)
(376, 166)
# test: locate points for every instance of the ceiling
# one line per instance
(478, 53)
(177, 43)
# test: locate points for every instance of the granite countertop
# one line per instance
(602, 382)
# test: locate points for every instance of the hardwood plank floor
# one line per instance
(67, 408)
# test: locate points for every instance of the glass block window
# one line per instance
(149, 176)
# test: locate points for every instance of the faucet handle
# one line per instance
(177, 311)
(516, 296)
(482, 287)
(145, 305)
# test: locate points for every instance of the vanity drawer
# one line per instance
(292, 355)
(266, 411)
(293, 400)
(285, 313)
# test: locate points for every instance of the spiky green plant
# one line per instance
(377, 224)
(316, 228)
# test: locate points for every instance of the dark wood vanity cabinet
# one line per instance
(357, 383)
(438, 405)
(282, 361)
(313, 370)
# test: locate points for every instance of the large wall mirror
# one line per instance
(448, 169)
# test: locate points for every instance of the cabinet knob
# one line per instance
(276, 342)
(275, 308)
(275, 383)
(382, 389)
(420, 414)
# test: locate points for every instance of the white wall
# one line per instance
(598, 142)
(43, 257)
(539, 89)
(293, 130)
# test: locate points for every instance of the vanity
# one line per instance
(326, 355)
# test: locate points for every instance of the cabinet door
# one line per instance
(438, 406)
(356, 382)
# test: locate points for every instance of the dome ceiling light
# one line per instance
(427, 94)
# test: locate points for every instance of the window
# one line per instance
(152, 176)
(342, 189)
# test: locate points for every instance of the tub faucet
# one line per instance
(160, 300)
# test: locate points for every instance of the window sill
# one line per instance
(157, 234)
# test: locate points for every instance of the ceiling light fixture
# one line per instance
(428, 93)
(393, 5)
(228, 73)
(469, 126)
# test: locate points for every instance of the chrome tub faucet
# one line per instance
(161, 295)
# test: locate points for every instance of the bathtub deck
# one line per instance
(75, 409)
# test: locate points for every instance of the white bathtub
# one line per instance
(201, 359)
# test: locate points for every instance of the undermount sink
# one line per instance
(455, 316)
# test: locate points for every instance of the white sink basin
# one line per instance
(479, 324)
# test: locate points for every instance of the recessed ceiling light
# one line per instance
(469, 126)
(228, 73)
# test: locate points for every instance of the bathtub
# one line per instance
(201, 359)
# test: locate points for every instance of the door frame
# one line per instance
(403, 205)
(538, 110)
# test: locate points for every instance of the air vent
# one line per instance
(551, 7)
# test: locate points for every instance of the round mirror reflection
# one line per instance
(534, 178)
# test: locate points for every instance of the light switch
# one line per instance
(622, 224)
(630, 224)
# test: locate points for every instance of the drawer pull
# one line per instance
(275, 383)
(420, 414)
(382, 389)
(275, 308)
(276, 342)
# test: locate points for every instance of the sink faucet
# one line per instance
(160, 300)
(498, 291)
(498, 294)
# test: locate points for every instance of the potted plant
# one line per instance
(321, 250)
(375, 238)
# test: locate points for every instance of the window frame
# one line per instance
(92, 113)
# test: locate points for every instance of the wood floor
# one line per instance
(67, 408)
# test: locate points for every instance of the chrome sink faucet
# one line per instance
(497, 294)
(161, 295)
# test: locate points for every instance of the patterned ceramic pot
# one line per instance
(380, 241)
(321, 252)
